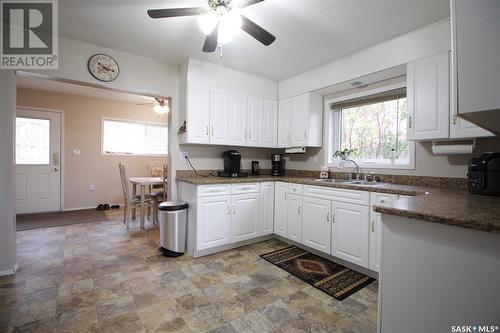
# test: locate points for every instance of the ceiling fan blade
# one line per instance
(246, 3)
(175, 12)
(256, 31)
(211, 41)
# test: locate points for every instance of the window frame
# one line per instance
(333, 131)
(103, 153)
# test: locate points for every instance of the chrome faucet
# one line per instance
(357, 167)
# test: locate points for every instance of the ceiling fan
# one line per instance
(220, 21)
(160, 105)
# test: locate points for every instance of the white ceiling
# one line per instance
(35, 83)
(309, 32)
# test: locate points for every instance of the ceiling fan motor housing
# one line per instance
(218, 5)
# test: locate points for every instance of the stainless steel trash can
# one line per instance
(173, 225)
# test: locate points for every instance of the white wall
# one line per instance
(7, 172)
(421, 43)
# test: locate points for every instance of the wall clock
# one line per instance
(103, 67)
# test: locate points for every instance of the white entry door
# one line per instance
(38, 152)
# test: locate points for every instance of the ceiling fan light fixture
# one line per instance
(229, 27)
(161, 109)
(207, 22)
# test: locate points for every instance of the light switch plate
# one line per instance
(76, 152)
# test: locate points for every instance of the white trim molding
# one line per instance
(11, 271)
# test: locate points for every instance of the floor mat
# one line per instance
(55, 219)
(333, 279)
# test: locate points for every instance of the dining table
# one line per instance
(143, 182)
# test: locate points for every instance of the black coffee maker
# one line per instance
(277, 165)
(232, 165)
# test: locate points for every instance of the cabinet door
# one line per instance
(266, 220)
(270, 124)
(254, 121)
(375, 240)
(284, 110)
(299, 120)
(280, 209)
(198, 113)
(428, 97)
(245, 210)
(294, 212)
(214, 222)
(350, 232)
(237, 119)
(219, 115)
(316, 224)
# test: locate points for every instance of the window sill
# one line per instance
(373, 166)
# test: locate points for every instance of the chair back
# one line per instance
(165, 177)
(155, 169)
(124, 180)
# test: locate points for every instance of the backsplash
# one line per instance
(424, 181)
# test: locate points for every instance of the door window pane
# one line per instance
(32, 141)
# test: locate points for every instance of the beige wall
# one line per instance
(82, 130)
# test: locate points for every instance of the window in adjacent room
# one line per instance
(123, 137)
(375, 127)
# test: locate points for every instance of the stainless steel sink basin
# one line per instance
(347, 181)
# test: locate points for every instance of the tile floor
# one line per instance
(101, 277)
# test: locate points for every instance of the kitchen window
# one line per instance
(374, 128)
(124, 137)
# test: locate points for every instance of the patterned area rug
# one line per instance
(331, 278)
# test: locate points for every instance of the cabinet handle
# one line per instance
(454, 119)
(299, 210)
(382, 201)
(373, 226)
(249, 134)
(207, 131)
(228, 212)
(327, 216)
(305, 134)
(245, 135)
(409, 121)
(284, 195)
(234, 210)
(212, 131)
(333, 218)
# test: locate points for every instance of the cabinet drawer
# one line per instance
(337, 194)
(212, 190)
(382, 198)
(295, 188)
(245, 188)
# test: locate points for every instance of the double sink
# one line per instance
(348, 181)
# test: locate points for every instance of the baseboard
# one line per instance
(11, 271)
(78, 208)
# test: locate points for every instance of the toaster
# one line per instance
(483, 175)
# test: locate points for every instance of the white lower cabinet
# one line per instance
(266, 201)
(350, 232)
(213, 222)
(294, 213)
(316, 224)
(280, 209)
(245, 216)
(375, 240)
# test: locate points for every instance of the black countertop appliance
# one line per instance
(232, 165)
(255, 168)
(484, 174)
(277, 165)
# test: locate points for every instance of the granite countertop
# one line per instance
(456, 207)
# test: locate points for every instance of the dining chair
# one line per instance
(133, 201)
(161, 195)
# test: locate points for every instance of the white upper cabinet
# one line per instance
(476, 53)
(269, 131)
(350, 232)
(300, 121)
(237, 120)
(198, 113)
(284, 110)
(255, 108)
(219, 115)
(428, 96)
(317, 226)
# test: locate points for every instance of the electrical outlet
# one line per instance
(92, 188)
(184, 155)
